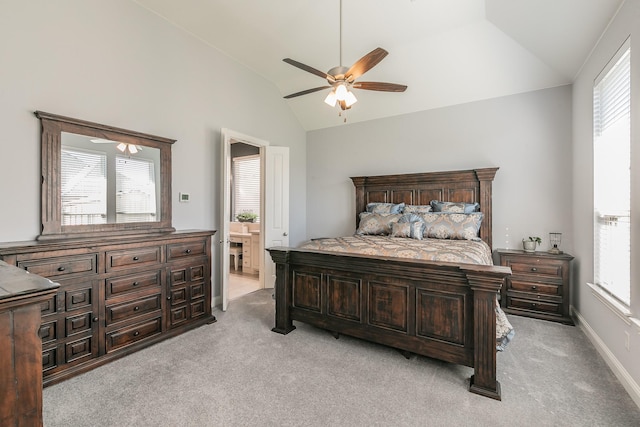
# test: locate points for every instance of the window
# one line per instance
(612, 176)
(246, 185)
(83, 187)
(135, 190)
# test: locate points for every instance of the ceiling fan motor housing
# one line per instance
(338, 73)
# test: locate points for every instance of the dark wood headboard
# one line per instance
(468, 186)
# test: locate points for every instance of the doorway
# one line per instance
(274, 210)
(244, 221)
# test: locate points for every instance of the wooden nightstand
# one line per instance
(540, 284)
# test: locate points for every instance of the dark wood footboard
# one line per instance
(441, 310)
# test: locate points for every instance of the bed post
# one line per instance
(485, 287)
(284, 324)
(485, 177)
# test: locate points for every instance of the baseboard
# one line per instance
(618, 369)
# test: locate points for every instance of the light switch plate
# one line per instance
(184, 197)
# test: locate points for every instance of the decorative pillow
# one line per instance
(385, 208)
(454, 207)
(410, 217)
(417, 209)
(377, 224)
(447, 225)
(414, 230)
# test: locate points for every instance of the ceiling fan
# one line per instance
(341, 79)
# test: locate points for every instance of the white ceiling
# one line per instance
(446, 51)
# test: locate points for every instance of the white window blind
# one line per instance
(83, 187)
(135, 190)
(612, 176)
(246, 185)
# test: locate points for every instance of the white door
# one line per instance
(276, 203)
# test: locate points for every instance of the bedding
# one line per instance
(460, 251)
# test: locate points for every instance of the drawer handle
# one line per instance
(61, 269)
(135, 258)
(534, 287)
(188, 251)
(136, 308)
(533, 304)
(534, 269)
(136, 333)
(135, 283)
(95, 319)
(169, 298)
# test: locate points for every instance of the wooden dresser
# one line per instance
(20, 359)
(117, 294)
(540, 284)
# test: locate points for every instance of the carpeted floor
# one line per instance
(236, 372)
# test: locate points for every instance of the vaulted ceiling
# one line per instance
(446, 51)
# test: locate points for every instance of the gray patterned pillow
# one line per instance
(385, 208)
(414, 230)
(454, 207)
(447, 225)
(417, 209)
(376, 224)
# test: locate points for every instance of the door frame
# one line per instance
(228, 137)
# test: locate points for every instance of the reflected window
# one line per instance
(135, 190)
(83, 187)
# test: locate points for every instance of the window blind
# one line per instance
(135, 190)
(83, 187)
(246, 185)
(612, 177)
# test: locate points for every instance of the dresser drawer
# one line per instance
(186, 249)
(535, 287)
(118, 312)
(61, 266)
(133, 257)
(121, 285)
(132, 334)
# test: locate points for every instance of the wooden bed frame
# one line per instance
(437, 309)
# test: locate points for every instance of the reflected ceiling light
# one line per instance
(131, 148)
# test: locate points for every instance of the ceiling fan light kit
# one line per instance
(341, 79)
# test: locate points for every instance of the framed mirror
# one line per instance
(99, 179)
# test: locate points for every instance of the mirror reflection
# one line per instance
(105, 181)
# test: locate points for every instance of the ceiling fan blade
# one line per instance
(309, 69)
(379, 86)
(304, 92)
(366, 63)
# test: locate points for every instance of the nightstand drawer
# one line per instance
(534, 287)
(536, 267)
(534, 306)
